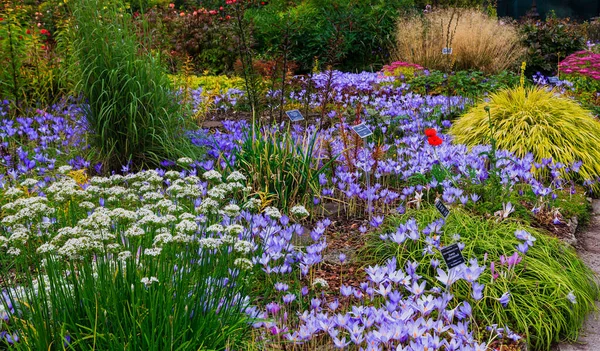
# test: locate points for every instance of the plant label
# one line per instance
(553, 80)
(442, 208)
(362, 130)
(294, 115)
(447, 51)
(452, 256)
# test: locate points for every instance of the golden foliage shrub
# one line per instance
(535, 120)
(478, 41)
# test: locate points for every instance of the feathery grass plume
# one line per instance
(132, 111)
(478, 41)
(535, 120)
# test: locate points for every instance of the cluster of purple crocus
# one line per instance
(33, 146)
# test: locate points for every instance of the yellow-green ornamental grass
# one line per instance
(538, 121)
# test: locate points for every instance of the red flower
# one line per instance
(430, 132)
(434, 140)
(28, 31)
(45, 32)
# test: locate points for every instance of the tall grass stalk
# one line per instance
(132, 111)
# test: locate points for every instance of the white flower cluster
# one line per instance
(299, 211)
(272, 212)
(148, 281)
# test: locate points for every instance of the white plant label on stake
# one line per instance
(447, 51)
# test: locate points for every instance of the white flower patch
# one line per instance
(187, 216)
(212, 175)
(299, 211)
(86, 205)
(100, 181)
(243, 263)
(153, 197)
(208, 206)
(121, 214)
(172, 175)
(134, 231)
(252, 204)
(99, 219)
(29, 182)
(162, 239)
(155, 251)
(13, 251)
(244, 247)
(234, 229)
(65, 169)
(215, 228)
(124, 255)
(185, 161)
(210, 243)
(236, 177)
(45, 248)
(148, 281)
(13, 192)
(231, 210)
(186, 226)
(20, 234)
(182, 238)
(320, 283)
(217, 193)
(3, 241)
(272, 212)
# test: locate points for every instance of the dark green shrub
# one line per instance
(133, 114)
(550, 41)
(463, 83)
(351, 34)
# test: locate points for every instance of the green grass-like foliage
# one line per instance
(282, 168)
(538, 308)
(535, 120)
(133, 114)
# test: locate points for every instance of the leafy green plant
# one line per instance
(133, 114)
(462, 83)
(550, 41)
(535, 120)
(539, 308)
(283, 169)
(365, 29)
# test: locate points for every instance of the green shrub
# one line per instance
(462, 83)
(539, 285)
(354, 35)
(535, 120)
(550, 41)
(133, 114)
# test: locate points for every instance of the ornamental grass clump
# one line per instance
(537, 121)
(478, 41)
(516, 278)
(132, 112)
